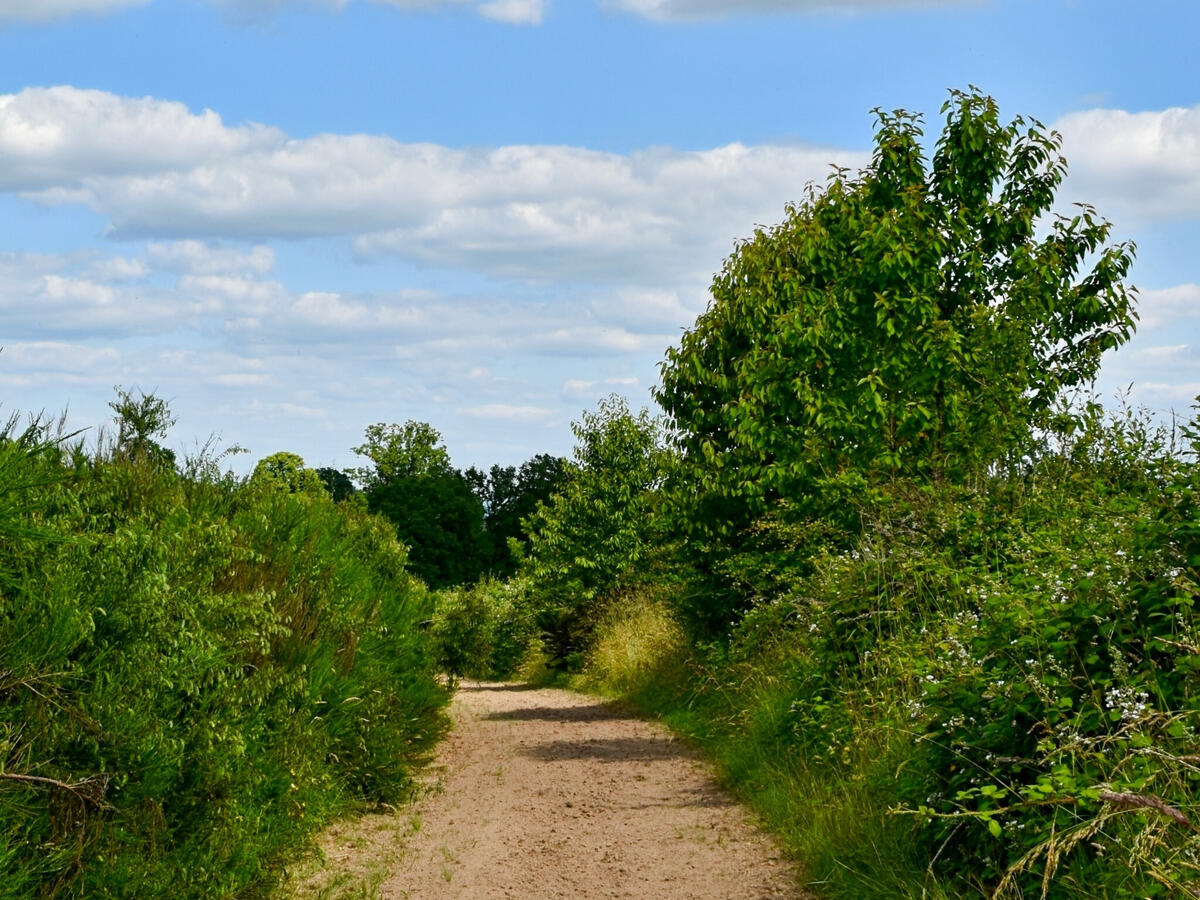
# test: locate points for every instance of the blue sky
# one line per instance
(293, 219)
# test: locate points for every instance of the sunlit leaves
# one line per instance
(904, 319)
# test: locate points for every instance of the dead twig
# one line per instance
(91, 789)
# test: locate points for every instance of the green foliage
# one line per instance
(602, 531)
(956, 634)
(286, 471)
(483, 631)
(197, 673)
(907, 320)
(435, 512)
(1071, 681)
(411, 450)
(510, 495)
(990, 692)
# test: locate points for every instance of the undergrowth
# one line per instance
(990, 690)
(195, 673)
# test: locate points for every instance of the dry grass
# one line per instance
(637, 636)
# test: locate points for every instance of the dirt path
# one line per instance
(544, 793)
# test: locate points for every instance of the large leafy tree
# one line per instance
(286, 471)
(602, 530)
(918, 317)
(510, 494)
(435, 512)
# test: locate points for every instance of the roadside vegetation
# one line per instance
(196, 671)
(883, 555)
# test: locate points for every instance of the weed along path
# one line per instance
(544, 793)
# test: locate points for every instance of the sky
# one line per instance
(294, 219)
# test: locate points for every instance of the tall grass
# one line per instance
(195, 673)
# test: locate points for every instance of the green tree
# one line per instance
(139, 421)
(337, 483)
(510, 495)
(411, 450)
(601, 531)
(920, 317)
(286, 471)
(431, 504)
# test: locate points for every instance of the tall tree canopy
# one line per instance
(435, 512)
(917, 317)
(601, 529)
(510, 495)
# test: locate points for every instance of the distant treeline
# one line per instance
(458, 525)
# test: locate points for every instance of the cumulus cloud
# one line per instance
(65, 138)
(48, 10)
(514, 12)
(687, 10)
(1135, 165)
(208, 327)
(1161, 364)
(156, 170)
(1171, 306)
(58, 357)
(201, 258)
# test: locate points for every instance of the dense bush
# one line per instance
(990, 692)
(485, 630)
(195, 673)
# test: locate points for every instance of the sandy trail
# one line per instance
(544, 794)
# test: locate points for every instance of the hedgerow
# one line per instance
(195, 672)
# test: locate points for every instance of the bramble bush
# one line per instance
(1060, 755)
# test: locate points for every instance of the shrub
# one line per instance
(197, 674)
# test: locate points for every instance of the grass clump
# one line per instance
(638, 638)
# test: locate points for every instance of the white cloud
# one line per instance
(509, 412)
(57, 356)
(200, 258)
(687, 10)
(1161, 363)
(118, 268)
(532, 212)
(514, 12)
(648, 306)
(63, 138)
(47, 10)
(1143, 165)
(1168, 306)
(304, 412)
